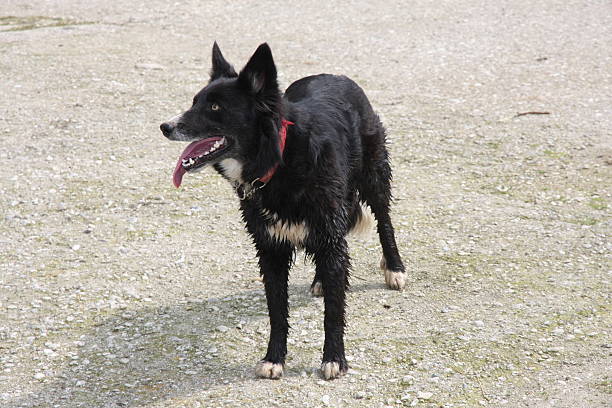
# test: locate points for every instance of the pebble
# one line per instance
(149, 66)
(39, 376)
(360, 395)
(222, 329)
(325, 399)
(424, 395)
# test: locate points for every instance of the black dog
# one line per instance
(302, 164)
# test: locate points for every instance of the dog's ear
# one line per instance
(220, 67)
(259, 78)
(259, 74)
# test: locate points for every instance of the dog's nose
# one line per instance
(166, 129)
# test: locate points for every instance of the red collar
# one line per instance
(282, 134)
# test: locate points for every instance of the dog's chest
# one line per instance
(281, 230)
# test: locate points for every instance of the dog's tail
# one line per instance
(363, 220)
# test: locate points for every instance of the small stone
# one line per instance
(479, 323)
(360, 395)
(424, 395)
(408, 379)
(222, 329)
(325, 399)
(39, 376)
(149, 66)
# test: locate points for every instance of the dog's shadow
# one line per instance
(134, 357)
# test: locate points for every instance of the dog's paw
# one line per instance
(316, 289)
(332, 369)
(395, 280)
(268, 369)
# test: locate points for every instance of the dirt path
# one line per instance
(116, 290)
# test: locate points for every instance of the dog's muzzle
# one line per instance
(167, 129)
(172, 129)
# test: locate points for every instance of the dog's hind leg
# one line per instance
(375, 189)
(274, 263)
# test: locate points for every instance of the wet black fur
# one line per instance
(335, 157)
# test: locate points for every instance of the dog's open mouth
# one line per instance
(198, 154)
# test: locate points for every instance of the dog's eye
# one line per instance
(215, 107)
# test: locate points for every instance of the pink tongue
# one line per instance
(194, 150)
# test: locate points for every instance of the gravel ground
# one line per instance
(117, 290)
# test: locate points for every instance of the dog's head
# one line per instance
(236, 116)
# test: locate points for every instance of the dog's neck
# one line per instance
(247, 189)
(282, 138)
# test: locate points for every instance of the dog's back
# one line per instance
(339, 117)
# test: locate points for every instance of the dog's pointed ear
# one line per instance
(220, 67)
(259, 74)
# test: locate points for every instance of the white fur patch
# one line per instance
(317, 289)
(330, 370)
(175, 120)
(266, 369)
(232, 169)
(281, 230)
(393, 279)
(365, 221)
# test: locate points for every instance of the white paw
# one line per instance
(330, 370)
(395, 280)
(317, 289)
(267, 369)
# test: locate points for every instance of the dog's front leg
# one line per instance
(274, 265)
(332, 265)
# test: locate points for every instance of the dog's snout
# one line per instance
(166, 129)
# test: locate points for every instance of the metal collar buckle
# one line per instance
(246, 193)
